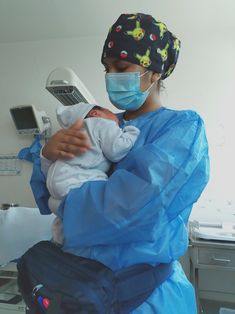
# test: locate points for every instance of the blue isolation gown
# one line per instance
(140, 214)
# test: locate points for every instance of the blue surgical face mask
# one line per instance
(124, 90)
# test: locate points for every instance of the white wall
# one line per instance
(24, 69)
(203, 81)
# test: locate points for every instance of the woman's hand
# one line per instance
(67, 143)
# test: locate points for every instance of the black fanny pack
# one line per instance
(54, 282)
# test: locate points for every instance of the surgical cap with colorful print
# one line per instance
(140, 39)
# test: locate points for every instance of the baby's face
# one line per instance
(104, 113)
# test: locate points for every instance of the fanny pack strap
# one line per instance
(136, 284)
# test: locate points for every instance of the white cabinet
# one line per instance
(212, 271)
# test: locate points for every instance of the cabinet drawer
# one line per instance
(220, 257)
(219, 281)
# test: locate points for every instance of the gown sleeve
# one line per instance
(38, 179)
(39, 188)
(161, 178)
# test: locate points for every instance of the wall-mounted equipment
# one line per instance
(28, 120)
(65, 85)
(10, 165)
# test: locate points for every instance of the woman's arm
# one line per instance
(157, 183)
(67, 143)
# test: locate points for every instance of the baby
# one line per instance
(109, 143)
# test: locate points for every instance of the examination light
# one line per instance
(65, 85)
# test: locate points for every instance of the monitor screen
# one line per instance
(24, 118)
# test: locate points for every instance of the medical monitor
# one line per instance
(28, 120)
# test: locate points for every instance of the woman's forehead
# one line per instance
(121, 63)
(115, 61)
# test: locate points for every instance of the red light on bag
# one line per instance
(46, 302)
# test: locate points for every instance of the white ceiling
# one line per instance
(27, 20)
